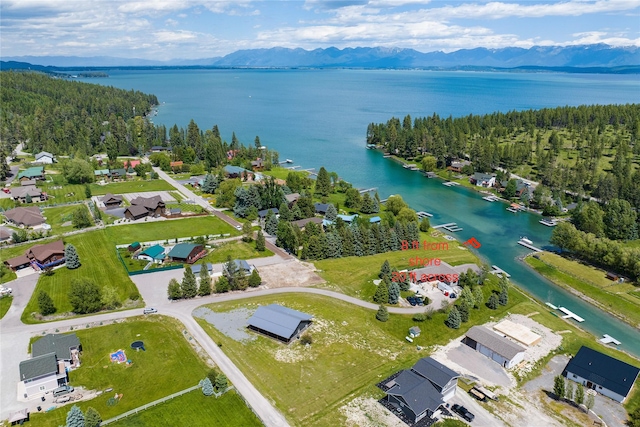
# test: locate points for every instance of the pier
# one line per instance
(285, 161)
(491, 198)
(528, 245)
(452, 227)
(293, 167)
(570, 315)
(368, 190)
(548, 223)
(450, 183)
(608, 339)
(423, 214)
(498, 271)
(551, 305)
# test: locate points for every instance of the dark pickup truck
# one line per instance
(463, 412)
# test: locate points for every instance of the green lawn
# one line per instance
(351, 352)
(133, 186)
(5, 305)
(235, 250)
(354, 275)
(185, 207)
(194, 408)
(158, 230)
(99, 263)
(278, 172)
(59, 215)
(6, 275)
(622, 300)
(168, 365)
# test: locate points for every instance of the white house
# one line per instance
(497, 348)
(44, 157)
(483, 179)
(604, 374)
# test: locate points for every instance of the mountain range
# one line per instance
(595, 55)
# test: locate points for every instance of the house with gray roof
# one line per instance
(196, 268)
(66, 348)
(21, 193)
(496, 347)
(44, 157)
(281, 323)
(25, 216)
(241, 265)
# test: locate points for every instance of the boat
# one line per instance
(548, 223)
(527, 241)
(510, 209)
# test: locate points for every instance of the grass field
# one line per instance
(354, 275)
(131, 187)
(5, 305)
(235, 250)
(59, 215)
(194, 408)
(6, 275)
(99, 264)
(621, 299)
(167, 230)
(155, 373)
(351, 352)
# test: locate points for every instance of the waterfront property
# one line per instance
(604, 374)
(483, 179)
(281, 323)
(497, 348)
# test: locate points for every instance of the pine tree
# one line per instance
(580, 394)
(222, 285)
(394, 293)
(568, 390)
(45, 304)
(385, 270)
(285, 212)
(503, 298)
(75, 417)
(210, 184)
(334, 245)
(271, 225)
(28, 198)
(247, 232)
(590, 401)
(493, 302)
(323, 182)
(368, 204)
(207, 387)
(382, 314)
(93, 418)
(478, 296)
(558, 386)
(331, 214)
(296, 213)
(425, 224)
(204, 287)
(221, 383)
(260, 242)
(87, 191)
(463, 310)
(189, 287)
(467, 298)
(71, 257)
(382, 293)
(254, 279)
(453, 320)
(174, 290)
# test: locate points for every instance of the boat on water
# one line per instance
(510, 209)
(548, 223)
(525, 240)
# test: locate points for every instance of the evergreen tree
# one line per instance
(93, 418)
(189, 287)
(382, 314)
(85, 296)
(296, 213)
(463, 309)
(260, 242)
(453, 320)
(323, 182)
(558, 386)
(331, 214)
(425, 224)
(285, 213)
(254, 279)
(580, 394)
(210, 184)
(87, 191)
(75, 417)
(467, 298)
(71, 257)
(382, 293)
(353, 199)
(204, 288)
(503, 297)
(221, 383)
(247, 232)
(222, 285)
(368, 204)
(394, 293)
(27, 198)
(271, 225)
(385, 270)
(314, 249)
(174, 290)
(568, 390)
(334, 245)
(45, 304)
(493, 302)
(478, 297)
(207, 387)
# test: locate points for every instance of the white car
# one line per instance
(5, 291)
(149, 310)
(238, 227)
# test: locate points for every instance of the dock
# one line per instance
(450, 183)
(548, 223)
(510, 209)
(608, 339)
(293, 167)
(368, 190)
(498, 271)
(285, 161)
(430, 174)
(551, 305)
(423, 214)
(491, 198)
(452, 227)
(570, 315)
(528, 245)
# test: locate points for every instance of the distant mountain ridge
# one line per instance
(595, 55)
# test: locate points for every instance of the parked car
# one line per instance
(453, 295)
(463, 412)
(6, 190)
(412, 300)
(64, 389)
(149, 310)
(5, 291)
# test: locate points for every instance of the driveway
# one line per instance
(483, 418)
(480, 366)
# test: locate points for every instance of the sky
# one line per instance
(190, 29)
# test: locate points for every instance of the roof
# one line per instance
(292, 197)
(321, 207)
(195, 268)
(301, 223)
(101, 172)
(28, 182)
(148, 202)
(434, 371)
(55, 343)
(418, 393)
(43, 154)
(518, 332)
(242, 264)
(110, 198)
(155, 252)
(31, 190)
(160, 148)
(38, 366)
(479, 176)
(136, 210)
(5, 233)
(263, 213)
(606, 371)
(494, 342)
(17, 261)
(132, 163)
(375, 219)
(42, 252)
(278, 320)
(22, 414)
(347, 218)
(135, 245)
(182, 250)
(177, 163)
(235, 169)
(32, 172)
(28, 216)
(119, 171)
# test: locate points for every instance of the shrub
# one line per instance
(306, 339)
(134, 296)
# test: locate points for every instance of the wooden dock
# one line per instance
(529, 246)
(368, 190)
(551, 305)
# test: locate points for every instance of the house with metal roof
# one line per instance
(196, 268)
(348, 218)
(35, 172)
(496, 347)
(483, 179)
(187, 252)
(281, 323)
(235, 171)
(44, 157)
(604, 374)
(264, 212)
(321, 208)
(242, 266)
(153, 254)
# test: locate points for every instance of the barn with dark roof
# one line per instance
(281, 323)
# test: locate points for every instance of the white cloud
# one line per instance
(174, 36)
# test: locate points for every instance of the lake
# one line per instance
(320, 117)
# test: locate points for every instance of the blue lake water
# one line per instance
(319, 118)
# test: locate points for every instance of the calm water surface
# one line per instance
(319, 118)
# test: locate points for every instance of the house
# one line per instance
(291, 198)
(25, 217)
(235, 171)
(36, 172)
(420, 391)
(39, 257)
(433, 270)
(257, 164)
(159, 149)
(133, 247)
(28, 182)
(281, 323)
(176, 166)
(241, 265)
(605, 374)
(135, 212)
(21, 193)
(52, 356)
(119, 173)
(483, 179)
(153, 254)
(348, 218)
(101, 173)
(153, 206)
(187, 252)
(111, 200)
(196, 268)
(44, 157)
(263, 213)
(494, 346)
(521, 187)
(5, 234)
(321, 208)
(457, 165)
(302, 223)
